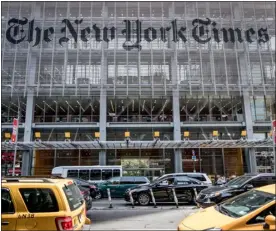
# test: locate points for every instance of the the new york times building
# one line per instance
(145, 85)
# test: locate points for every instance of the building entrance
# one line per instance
(152, 163)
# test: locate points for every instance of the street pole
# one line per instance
(274, 142)
(15, 149)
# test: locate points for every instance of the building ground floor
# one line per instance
(148, 162)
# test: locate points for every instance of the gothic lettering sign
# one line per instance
(203, 31)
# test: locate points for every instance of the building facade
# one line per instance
(140, 67)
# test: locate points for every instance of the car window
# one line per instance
(7, 206)
(95, 174)
(260, 218)
(114, 180)
(197, 177)
(127, 180)
(73, 195)
(141, 180)
(106, 174)
(39, 200)
(84, 174)
(182, 180)
(116, 172)
(259, 181)
(73, 173)
(246, 203)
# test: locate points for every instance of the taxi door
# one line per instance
(8, 208)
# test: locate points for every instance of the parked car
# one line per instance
(94, 190)
(86, 195)
(118, 185)
(41, 204)
(196, 175)
(252, 210)
(238, 185)
(162, 190)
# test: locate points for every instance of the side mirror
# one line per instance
(270, 220)
(248, 186)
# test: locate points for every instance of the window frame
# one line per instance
(50, 191)
(12, 201)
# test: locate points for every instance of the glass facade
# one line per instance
(84, 67)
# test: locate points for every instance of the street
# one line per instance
(123, 216)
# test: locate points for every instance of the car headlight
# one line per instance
(216, 194)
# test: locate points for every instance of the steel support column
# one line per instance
(103, 99)
(249, 152)
(27, 155)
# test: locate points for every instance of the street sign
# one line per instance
(14, 130)
(193, 152)
(194, 158)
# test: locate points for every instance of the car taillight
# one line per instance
(64, 223)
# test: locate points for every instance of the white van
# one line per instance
(92, 174)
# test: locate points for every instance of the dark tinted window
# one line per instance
(141, 180)
(6, 202)
(72, 173)
(84, 174)
(95, 174)
(39, 200)
(106, 174)
(197, 177)
(73, 196)
(116, 172)
(127, 180)
(259, 181)
(260, 218)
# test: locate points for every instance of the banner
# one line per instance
(14, 130)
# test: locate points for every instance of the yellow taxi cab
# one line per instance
(41, 204)
(253, 210)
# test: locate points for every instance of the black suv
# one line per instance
(241, 184)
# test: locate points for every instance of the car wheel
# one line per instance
(143, 199)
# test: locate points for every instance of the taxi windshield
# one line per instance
(245, 203)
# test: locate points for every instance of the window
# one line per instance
(259, 182)
(116, 172)
(7, 206)
(182, 181)
(73, 173)
(127, 180)
(141, 180)
(198, 177)
(73, 196)
(106, 174)
(95, 174)
(115, 180)
(39, 200)
(260, 218)
(84, 174)
(245, 203)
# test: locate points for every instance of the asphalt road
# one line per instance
(123, 217)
